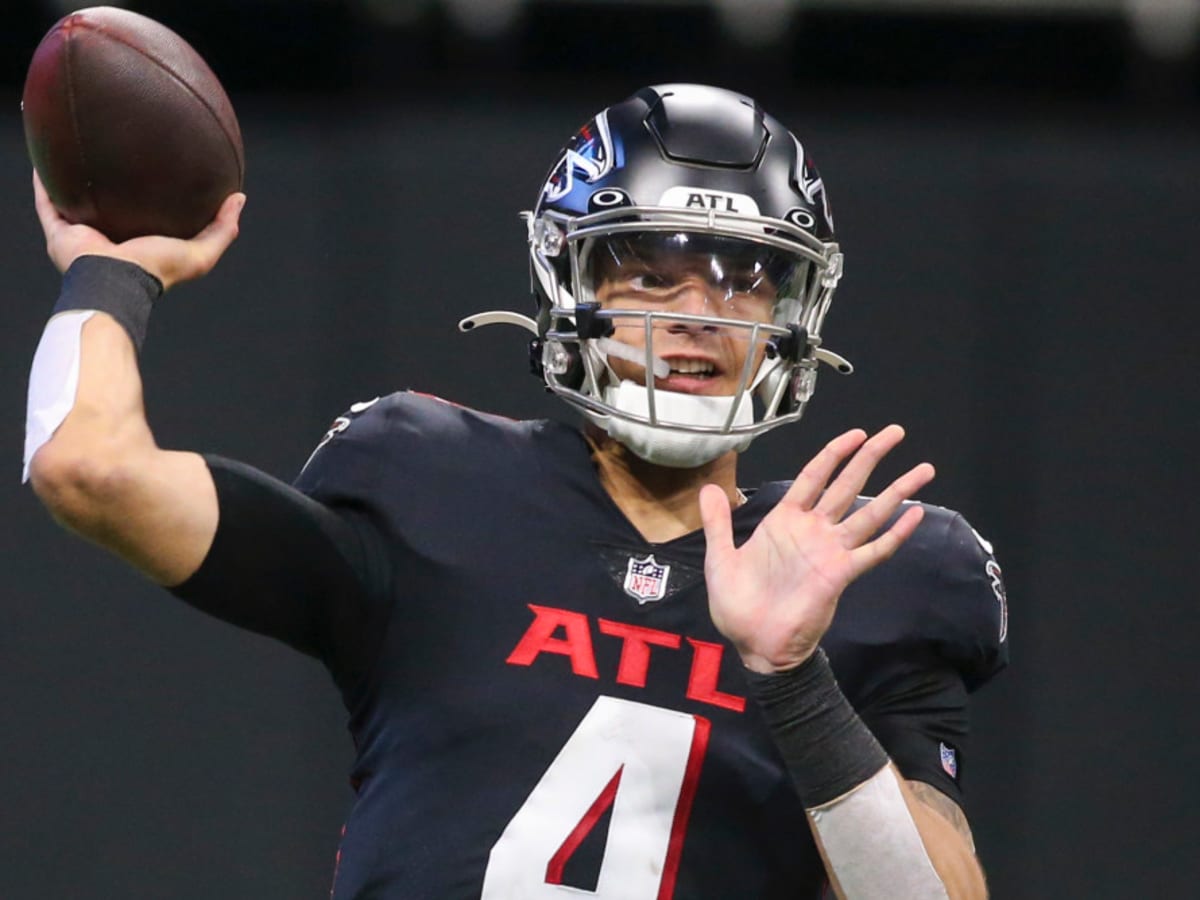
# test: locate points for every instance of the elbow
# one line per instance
(81, 486)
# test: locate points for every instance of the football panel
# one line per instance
(130, 129)
(50, 134)
(171, 52)
(158, 160)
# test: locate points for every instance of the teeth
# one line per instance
(692, 367)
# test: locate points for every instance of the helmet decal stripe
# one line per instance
(690, 207)
(589, 155)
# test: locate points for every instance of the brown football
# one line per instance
(129, 129)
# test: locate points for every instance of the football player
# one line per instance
(631, 678)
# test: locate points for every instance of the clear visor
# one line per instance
(695, 274)
(664, 327)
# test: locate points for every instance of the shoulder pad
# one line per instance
(340, 424)
(402, 440)
(942, 592)
(393, 416)
(972, 604)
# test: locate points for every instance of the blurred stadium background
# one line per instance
(1016, 184)
(1136, 51)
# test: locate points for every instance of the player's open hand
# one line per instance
(774, 597)
(170, 260)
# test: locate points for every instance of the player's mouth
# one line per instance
(691, 375)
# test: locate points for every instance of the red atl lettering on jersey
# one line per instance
(636, 645)
(706, 669)
(635, 649)
(576, 645)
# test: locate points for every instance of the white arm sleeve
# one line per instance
(873, 846)
(53, 380)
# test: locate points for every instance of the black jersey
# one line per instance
(539, 700)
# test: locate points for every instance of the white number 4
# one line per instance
(643, 762)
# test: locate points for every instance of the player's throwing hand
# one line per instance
(170, 260)
(774, 597)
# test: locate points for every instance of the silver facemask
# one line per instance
(683, 334)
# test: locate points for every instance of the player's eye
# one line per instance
(646, 281)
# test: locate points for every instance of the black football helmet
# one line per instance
(692, 167)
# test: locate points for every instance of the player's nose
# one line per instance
(695, 297)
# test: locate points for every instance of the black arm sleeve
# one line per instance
(285, 565)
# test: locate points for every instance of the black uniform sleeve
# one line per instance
(921, 721)
(968, 609)
(287, 566)
(953, 640)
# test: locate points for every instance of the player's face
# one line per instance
(678, 274)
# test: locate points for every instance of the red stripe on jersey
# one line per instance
(558, 862)
(683, 808)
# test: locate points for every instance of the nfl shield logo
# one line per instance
(646, 580)
(949, 760)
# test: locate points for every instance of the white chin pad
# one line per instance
(53, 380)
(666, 447)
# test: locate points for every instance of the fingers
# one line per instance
(41, 200)
(64, 240)
(211, 243)
(883, 547)
(173, 261)
(717, 519)
(872, 516)
(809, 488)
(811, 481)
(850, 482)
(48, 216)
(231, 211)
(168, 259)
(810, 492)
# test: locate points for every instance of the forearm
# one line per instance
(947, 838)
(83, 464)
(108, 413)
(881, 840)
(100, 472)
(876, 836)
(123, 280)
(85, 388)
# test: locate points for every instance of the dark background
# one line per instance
(1016, 192)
